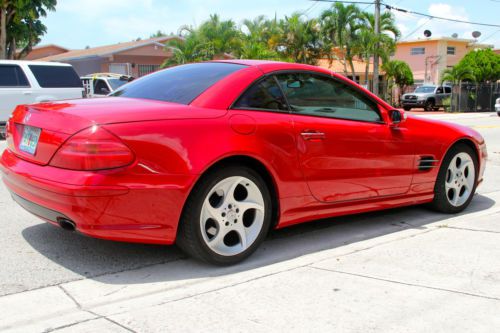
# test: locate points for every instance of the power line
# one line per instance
(416, 29)
(354, 2)
(438, 17)
(490, 35)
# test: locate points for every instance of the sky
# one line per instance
(79, 23)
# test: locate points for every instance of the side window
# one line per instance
(447, 90)
(318, 95)
(100, 87)
(263, 95)
(56, 76)
(12, 76)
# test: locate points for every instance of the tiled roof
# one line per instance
(105, 50)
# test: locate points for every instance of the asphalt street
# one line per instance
(407, 269)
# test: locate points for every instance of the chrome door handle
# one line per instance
(27, 92)
(313, 135)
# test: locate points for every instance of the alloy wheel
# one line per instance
(460, 178)
(232, 216)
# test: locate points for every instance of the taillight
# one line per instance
(92, 149)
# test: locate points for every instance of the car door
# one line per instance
(439, 96)
(14, 89)
(346, 150)
(263, 111)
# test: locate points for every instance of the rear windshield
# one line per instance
(56, 76)
(180, 84)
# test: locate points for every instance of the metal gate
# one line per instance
(146, 69)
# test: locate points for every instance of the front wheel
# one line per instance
(226, 217)
(457, 180)
(429, 105)
(406, 108)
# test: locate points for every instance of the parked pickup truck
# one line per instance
(25, 82)
(428, 97)
(102, 84)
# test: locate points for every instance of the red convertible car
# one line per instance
(212, 155)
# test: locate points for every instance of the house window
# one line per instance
(450, 50)
(417, 50)
(146, 69)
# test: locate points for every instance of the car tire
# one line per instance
(406, 108)
(226, 217)
(436, 108)
(429, 105)
(457, 180)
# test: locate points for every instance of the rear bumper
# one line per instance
(144, 212)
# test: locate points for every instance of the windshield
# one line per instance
(180, 84)
(428, 89)
(116, 83)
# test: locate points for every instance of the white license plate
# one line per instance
(30, 138)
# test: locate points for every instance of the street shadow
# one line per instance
(104, 260)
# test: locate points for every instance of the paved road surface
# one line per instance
(400, 270)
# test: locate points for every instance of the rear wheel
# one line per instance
(457, 180)
(429, 105)
(226, 217)
(406, 108)
(436, 108)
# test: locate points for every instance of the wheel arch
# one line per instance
(255, 164)
(469, 142)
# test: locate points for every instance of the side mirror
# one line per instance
(397, 117)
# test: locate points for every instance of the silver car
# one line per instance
(428, 97)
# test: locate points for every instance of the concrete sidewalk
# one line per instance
(408, 270)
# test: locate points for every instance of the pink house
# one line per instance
(429, 57)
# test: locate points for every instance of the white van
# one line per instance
(25, 82)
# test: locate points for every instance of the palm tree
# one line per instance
(256, 41)
(456, 75)
(212, 39)
(369, 44)
(339, 25)
(301, 39)
(223, 37)
(397, 73)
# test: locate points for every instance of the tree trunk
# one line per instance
(367, 70)
(353, 72)
(3, 32)
(11, 49)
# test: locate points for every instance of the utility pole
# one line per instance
(375, 56)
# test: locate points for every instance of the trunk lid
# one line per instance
(61, 119)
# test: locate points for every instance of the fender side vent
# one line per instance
(427, 163)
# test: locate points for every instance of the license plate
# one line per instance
(30, 138)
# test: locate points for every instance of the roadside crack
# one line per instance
(405, 283)
(470, 229)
